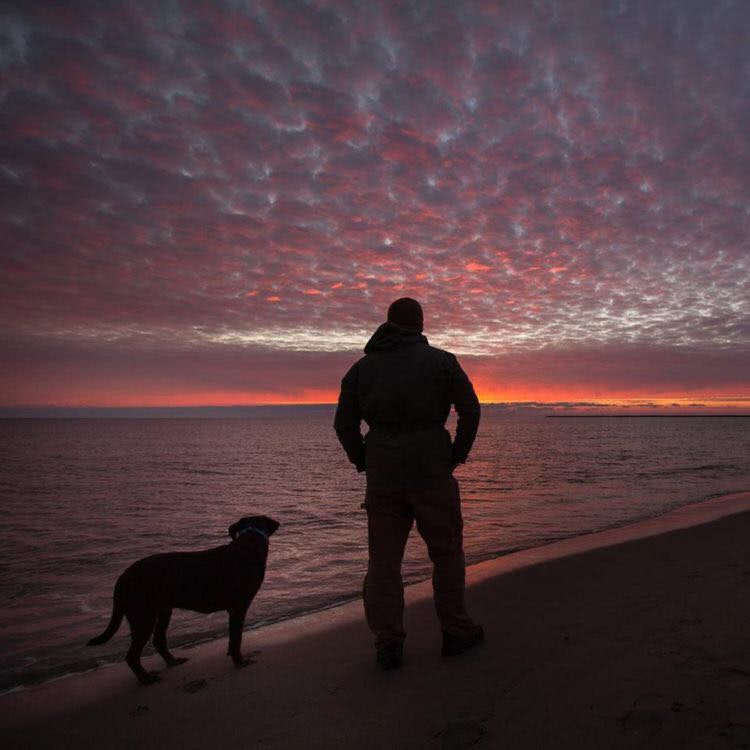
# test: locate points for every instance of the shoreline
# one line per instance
(703, 511)
(85, 703)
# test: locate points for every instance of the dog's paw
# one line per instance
(175, 661)
(242, 661)
(149, 678)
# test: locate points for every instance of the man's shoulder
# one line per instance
(423, 350)
(441, 355)
(437, 352)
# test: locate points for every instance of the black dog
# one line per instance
(226, 577)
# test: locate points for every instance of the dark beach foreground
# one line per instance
(634, 637)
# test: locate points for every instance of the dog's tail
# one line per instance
(118, 611)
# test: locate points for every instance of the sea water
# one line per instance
(84, 498)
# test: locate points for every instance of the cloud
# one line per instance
(542, 176)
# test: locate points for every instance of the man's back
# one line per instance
(403, 388)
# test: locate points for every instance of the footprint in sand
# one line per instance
(139, 711)
(735, 734)
(696, 662)
(646, 717)
(250, 657)
(649, 700)
(195, 686)
(736, 677)
(642, 722)
(460, 733)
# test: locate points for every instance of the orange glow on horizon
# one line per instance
(613, 402)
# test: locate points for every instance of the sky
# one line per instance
(214, 203)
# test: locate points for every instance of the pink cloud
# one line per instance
(540, 179)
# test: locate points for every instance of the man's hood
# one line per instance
(390, 336)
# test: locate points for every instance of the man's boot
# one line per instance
(390, 655)
(453, 645)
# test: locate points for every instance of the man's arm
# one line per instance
(468, 410)
(348, 419)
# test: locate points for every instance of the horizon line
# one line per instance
(594, 401)
(571, 409)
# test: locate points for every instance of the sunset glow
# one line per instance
(207, 205)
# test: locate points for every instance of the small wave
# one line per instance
(727, 468)
(14, 689)
(20, 593)
(17, 680)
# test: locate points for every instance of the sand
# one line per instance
(636, 637)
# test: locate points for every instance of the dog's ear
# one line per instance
(271, 525)
(233, 529)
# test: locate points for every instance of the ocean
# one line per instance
(84, 498)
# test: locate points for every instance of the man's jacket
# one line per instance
(403, 388)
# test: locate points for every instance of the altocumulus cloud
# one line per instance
(251, 184)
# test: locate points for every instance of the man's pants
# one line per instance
(390, 515)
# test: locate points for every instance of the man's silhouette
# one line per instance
(403, 389)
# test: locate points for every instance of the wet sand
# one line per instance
(635, 637)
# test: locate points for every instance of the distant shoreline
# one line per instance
(646, 416)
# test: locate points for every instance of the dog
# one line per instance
(226, 577)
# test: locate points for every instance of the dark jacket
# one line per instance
(403, 388)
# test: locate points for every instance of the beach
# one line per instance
(632, 637)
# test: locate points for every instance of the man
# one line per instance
(403, 389)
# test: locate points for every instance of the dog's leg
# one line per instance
(141, 625)
(160, 638)
(236, 623)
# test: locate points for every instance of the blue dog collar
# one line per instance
(252, 528)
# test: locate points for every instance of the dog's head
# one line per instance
(265, 525)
